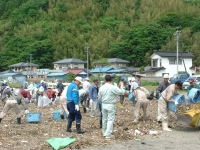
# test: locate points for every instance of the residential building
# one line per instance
(27, 69)
(112, 62)
(69, 63)
(165, 62)
(22, 66)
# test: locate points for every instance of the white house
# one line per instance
(69, 63)
(165, 62)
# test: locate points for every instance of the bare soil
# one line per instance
(33, 136)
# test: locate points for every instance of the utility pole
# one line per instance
(30, 64)
(177, 48)
(87, 50)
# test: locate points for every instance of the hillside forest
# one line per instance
(51, 30)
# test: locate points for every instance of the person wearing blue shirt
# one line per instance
(43, 84)
(93, 95)
(73, 105)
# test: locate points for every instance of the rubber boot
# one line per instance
(69, 126)
(62, 116)
(0, 120)
(78, 129)
(84, 110)
(19, 120)
(100, 122)
(165, 126)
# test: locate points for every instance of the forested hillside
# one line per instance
(127, 29)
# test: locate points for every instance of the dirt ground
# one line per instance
(33, 136)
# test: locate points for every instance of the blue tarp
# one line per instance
(11, 74)
(181, 100)
(56, 74)
(116, 70)
(103, 69)
(194, 95)
(132, 97)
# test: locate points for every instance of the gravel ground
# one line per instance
(179, 139)
(28, 136)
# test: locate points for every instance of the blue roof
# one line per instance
(116, 70)
(103, 69)
(11, 74)
(56, 74)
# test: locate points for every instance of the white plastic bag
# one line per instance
(41, 89)
(43, 101)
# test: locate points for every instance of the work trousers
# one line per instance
(108, 112)
(94, 108)
(73, 114)
(11, 104)
(162, 110)
(121, 99)
(141, 104)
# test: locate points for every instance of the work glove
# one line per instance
(176, 102)
(77, 107)
(26, 111)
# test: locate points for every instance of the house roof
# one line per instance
(173, 54)
(74, 71)
(113, 60)
(23, 64)
(117, 70)
(117, 60)
(151, 69)
(11, 74)
(70, 61)
(56, 74)
(133, 69)
(103, 69)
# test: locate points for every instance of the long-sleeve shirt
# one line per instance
(134, 85)
(169, 92)
(73, 93)
(108, 93)
(20, 100)
(141, 94)
(60, 86)
(93, 92)
(44, 86)
(86, 85)
(162, 86)
(25, 94)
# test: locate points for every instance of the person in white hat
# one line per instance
(73, 105)
(134, 84)
(86, 86)
(140, 94)
(162, 86)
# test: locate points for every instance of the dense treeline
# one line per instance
(128, 29)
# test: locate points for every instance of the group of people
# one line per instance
(12, 98)
(100, 100)
(103, 99)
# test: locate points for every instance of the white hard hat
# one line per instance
(165, 76)
(4, 81)
(78, 79)
(133, 79)
(87, 79)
